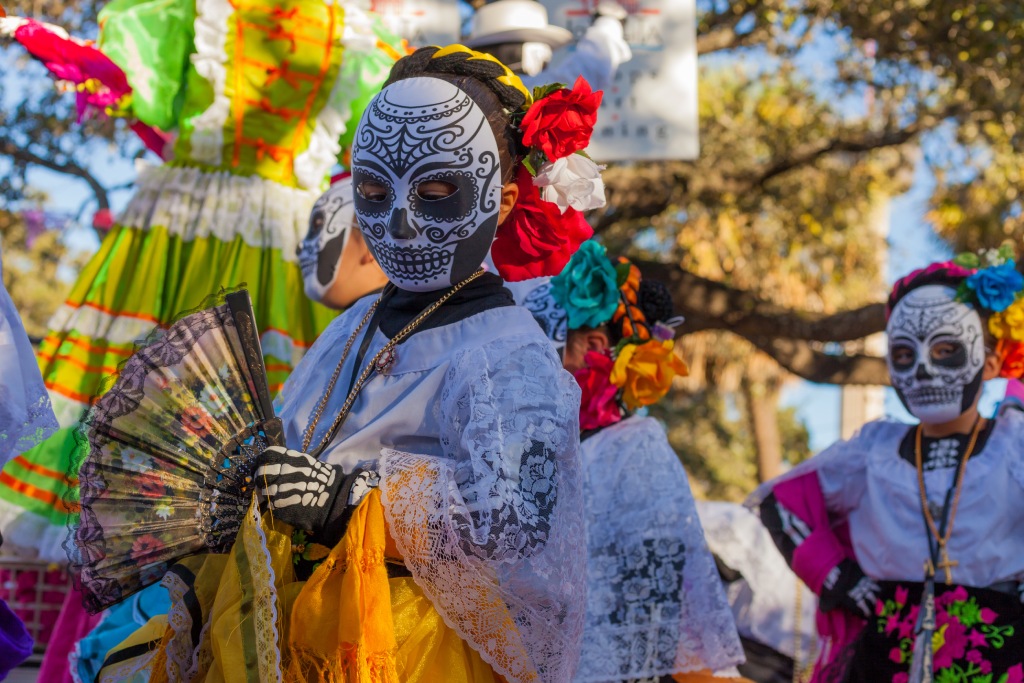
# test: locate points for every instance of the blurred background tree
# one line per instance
(813, 114)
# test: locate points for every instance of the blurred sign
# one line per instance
(421, 22)
(650, 111)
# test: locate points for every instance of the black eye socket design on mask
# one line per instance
(374, 193)
(903, 356)
(446, 197)
(316, 223)
(948, 353)
(435, 190)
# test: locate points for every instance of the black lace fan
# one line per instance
(171, 452)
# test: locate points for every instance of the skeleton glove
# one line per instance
(847, 586)
(298, 489)
(312, 495)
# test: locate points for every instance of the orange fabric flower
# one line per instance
(1012, 355)
(645, 372)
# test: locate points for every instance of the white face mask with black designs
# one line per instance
(428, 183)
(330, 224)
(936, 353)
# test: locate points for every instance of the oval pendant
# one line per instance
(384, 363)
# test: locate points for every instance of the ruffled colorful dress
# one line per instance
(260, 95)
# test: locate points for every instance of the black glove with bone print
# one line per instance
(311, 495)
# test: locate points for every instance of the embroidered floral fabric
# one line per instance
(26, 417)
(493, 530)
(979, 636)
(655, 604)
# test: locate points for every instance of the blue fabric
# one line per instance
(120, 622)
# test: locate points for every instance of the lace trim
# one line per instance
(182, 654)
(264, 598)
(193, 204)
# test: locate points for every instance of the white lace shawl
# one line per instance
(655, 603)
(26, 417)
(476, 431)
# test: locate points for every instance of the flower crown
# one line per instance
(995, 287)
(988, 281)
(594, 290)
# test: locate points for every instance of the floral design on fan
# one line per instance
(417, 131)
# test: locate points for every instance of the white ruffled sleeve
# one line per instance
(493, 531)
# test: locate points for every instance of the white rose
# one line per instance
(573, 181)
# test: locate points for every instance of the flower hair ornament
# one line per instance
(638, 370)
(557, 181)
(989, 282)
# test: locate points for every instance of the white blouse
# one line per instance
(865, 480)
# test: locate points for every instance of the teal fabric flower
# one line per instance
(588, 288)
(996, 287)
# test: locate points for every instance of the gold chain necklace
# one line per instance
(381, 362)
(942, 539)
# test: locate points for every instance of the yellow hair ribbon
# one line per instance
(509, 79)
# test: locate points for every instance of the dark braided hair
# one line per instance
(480, 79)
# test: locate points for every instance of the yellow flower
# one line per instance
(1009, 324)
(645, 372)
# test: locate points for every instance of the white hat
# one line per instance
(514, 21)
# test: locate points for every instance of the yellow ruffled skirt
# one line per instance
(348, 623)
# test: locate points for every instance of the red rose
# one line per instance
(1012, 353)
(598, 407)
(562, 123)
(536, 239)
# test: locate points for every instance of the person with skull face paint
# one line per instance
(909, 534)
(437, 406)
(337, 265)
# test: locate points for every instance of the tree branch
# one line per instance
(711, 305)
(799, 358)
(24, 156)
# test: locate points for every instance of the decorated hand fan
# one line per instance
(171, 452)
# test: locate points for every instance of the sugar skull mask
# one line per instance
(330, 224)
(936, 353)
(427, 182)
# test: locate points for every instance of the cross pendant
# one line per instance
(946, 565)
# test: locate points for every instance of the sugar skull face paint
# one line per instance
(427, 182)
(936, 353)
(330, 225)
